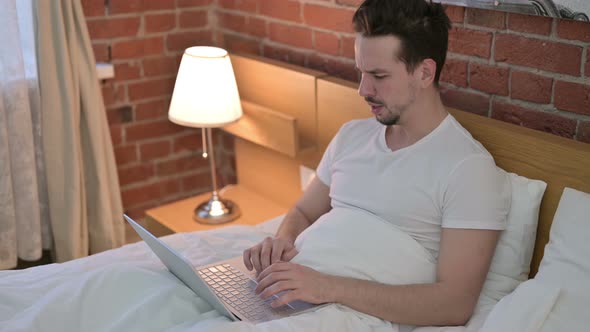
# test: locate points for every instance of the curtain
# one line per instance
(24, 218)
(82, 183)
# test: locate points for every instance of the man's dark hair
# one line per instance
(421, 25)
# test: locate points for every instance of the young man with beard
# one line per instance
(413, 166)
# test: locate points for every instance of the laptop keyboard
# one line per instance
(237, 290)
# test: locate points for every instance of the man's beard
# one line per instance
(389, 120)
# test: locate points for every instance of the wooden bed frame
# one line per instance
(292, 113)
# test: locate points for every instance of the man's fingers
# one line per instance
(288, 255)
(277, 287)
(278, 267)
(265, 253)
(269, 280)
(255, 257)
(277, 251)
(286, 298)
(247, 262)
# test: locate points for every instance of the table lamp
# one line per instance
(206, 96)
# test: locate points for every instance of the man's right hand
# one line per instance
(268, 252)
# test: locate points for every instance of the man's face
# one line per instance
(385, 83)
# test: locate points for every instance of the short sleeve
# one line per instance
(324, 170)
(477, 195)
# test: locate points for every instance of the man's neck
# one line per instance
(425, 115)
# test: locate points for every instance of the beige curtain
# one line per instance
(24, 215)
(84, 195)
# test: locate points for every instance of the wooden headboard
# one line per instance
(313, 106)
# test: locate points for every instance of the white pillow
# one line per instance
(566, 263)
(523, 310)
(511, 262)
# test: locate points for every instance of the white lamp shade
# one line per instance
(205, 93)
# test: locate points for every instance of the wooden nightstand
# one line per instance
(177, 217)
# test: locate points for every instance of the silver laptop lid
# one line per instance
(181, 268)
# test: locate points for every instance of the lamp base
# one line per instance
(216, 211)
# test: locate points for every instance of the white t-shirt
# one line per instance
(446, 179)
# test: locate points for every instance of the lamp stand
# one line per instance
(216, 210)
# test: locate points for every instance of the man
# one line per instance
(414, 167)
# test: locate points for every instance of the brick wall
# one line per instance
(157, 160)
(529, 70)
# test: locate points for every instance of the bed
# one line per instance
(290, 115)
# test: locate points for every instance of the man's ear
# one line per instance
(427, 72)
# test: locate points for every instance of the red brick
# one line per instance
(157, 109)
(183, 40)
(354, 3)
(181, 165)
(290, 35)
(530, 24)
(574, 30)
(573, 97)
(140, 195)
(455, 13)
(587, 68)
(193, 19)
(125, 6)
(531, 87)
(116, 134)
(455, 72)
(126, 154)
(486, 18)
(102, 28)
(284, 54)
(136, 173)
(281, 9)
(113, 94)
(466, 101)
(193, 3)
(337, 19)
(157, 129)
(538, 120)
(237, 44)
(118, 115)
(541, 54)
(470, 42)
(243, 24)
(489, 79)
(127, 71)
(159, 4)
(243, 5)
(333, 67)
(101, 52)
(348, 47)
(163, 66)
(190, 142)
(160, 22)
(93, 8)
(327, 43)
(584, 132)
(151, 89)
(154, 150)
(137, 48)
(200, 182)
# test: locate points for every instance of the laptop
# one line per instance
(226, 285)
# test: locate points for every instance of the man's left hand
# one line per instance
(297, 281)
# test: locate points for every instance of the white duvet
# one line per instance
(129, 289)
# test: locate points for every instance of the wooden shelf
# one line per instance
(177, 217)
(268, 128)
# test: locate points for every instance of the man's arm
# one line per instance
(314, 203)
(464, 260)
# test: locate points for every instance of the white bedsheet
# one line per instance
(128, 289)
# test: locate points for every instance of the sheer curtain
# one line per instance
(24, 215)
(59, 187)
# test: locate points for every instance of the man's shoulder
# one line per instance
(358, 126)
(463, 143)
